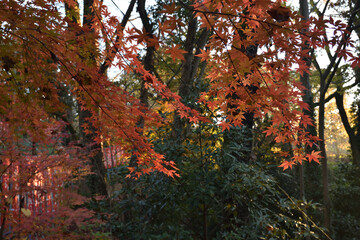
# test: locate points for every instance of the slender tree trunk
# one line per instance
(307, 97)
(325, 174)
(188, 91)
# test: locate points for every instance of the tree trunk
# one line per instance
(353, 139)
(190, 67)
(96, 181)
(180, 129)
(309, 173)
(307, 97)
(325, 174)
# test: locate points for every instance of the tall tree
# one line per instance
(326, 78)
(307, 97)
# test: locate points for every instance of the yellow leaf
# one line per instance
(26, 212)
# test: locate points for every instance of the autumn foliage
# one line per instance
(47, 59)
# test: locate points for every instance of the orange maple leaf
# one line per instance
(176, 53)
(314, 156)
(287, 164)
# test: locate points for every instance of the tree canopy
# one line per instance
(216, 67)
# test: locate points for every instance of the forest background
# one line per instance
(213, 127)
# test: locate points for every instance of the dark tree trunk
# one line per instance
(353, 139)
(307, 97)
(325, 174)
(309, 173)
(180, 126)
(189, 73)
(96, 181)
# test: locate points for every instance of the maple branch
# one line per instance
(96, 103)
(245, 17)
(107, 62)
(263, 78)
(84, 89)
(109, 59)
(228, 53)
(321, 14)
(100, 107)
(333, 64)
